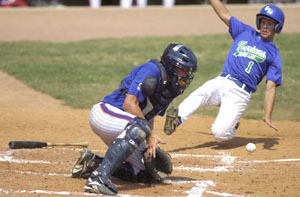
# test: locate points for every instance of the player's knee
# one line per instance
(222, 134)
(138, 130)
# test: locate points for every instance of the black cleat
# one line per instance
(96, 185)
(85, 164)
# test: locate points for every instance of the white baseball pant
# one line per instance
(108, 122)
(220, 91)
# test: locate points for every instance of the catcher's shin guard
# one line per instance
(136, 132)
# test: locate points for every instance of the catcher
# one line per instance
(124, 121)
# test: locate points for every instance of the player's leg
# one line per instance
(134, 134)
(108, 122)
(233, 104)
(207, 94)
(125, 3)
(141, 3)
(87, 162)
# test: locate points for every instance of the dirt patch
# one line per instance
(202, 166)
(79, 23)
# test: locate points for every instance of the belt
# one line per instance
(236, 81)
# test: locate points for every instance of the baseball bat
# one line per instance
(35, 144)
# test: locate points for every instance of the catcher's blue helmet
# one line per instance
(271, 12)
(178, 55)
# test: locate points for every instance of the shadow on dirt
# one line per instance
(268, 143)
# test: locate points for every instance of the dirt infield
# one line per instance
(71, 24)
(202, 166)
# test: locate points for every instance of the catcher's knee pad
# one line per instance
(137, 131)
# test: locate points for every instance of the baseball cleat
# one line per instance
(96, 185)
(85, 164)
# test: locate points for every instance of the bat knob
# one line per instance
(11, 145)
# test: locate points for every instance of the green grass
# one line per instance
(82, 73)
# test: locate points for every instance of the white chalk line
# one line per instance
(35, 173)
(18, 192)
(215, 169)
(44, 192)
(227, 160)
(6, 156)
(223, 194)
(10, 159)
(201, 156)
(198, 190)
(275, 160)
(179, 168)
(231, 158)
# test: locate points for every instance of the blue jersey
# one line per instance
(251, 57)
(132, 83)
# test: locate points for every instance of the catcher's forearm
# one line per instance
(131, 105)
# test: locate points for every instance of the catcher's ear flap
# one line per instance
(160, 167)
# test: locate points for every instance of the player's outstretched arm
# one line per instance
(221, 11)
(270, 96)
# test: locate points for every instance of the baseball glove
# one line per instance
(160, 167)
(171, 120)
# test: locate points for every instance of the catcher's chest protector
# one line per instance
(162, 96)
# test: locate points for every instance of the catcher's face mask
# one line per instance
(184, 77)
(180, 63)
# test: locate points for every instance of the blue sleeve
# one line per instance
(236, 27)
(145, 71)
(274, 72)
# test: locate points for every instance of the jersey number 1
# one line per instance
(248, 69)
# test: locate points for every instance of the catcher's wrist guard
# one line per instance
(159, 167)
(172, 120)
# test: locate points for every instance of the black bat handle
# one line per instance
(26, 144)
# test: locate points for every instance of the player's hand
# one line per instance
(153, 142)
(269, 123)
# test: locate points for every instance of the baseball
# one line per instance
(250, 147)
